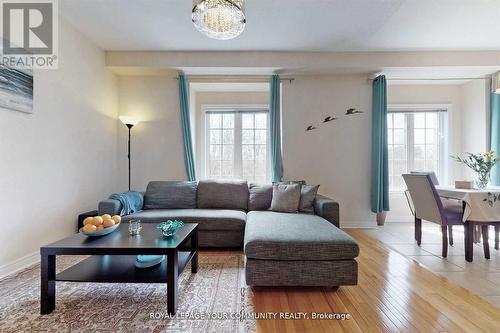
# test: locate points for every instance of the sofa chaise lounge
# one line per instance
(281, 249)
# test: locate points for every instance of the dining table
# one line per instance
(481, 207)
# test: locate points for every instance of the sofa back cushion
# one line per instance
(223, 194)
(260, 196)
(170, 195)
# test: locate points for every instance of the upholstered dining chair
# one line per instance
(431, 174)
(447, 203)
(427, 206)
(456, 204)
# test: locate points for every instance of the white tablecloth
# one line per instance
(480, 205)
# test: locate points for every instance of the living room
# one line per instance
(145, 114)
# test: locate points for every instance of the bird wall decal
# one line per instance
(351, 111)
(329, 118)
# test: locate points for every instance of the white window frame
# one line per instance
(443, 114)
(237, 139)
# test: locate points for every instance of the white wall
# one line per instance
(157, 149)
(338, 154)
(475, 116)
(60, 160)
(264, 62)
(449, 94)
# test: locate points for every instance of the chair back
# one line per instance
(426, 202)
(431, 174)
(410, 203)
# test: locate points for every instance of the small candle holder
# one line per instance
(134, 227)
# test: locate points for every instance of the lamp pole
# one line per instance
(129, 128)
(129, 121)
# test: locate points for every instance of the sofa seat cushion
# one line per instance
(207, 219)
(289, 236)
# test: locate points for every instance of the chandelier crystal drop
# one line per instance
(219, 19)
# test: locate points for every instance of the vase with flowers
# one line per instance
(481, 164)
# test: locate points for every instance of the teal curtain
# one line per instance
(275, 129)
(380, 165)
(186, 127)
(495, 134)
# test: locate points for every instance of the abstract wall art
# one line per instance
(16, 89)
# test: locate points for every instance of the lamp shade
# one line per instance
(129, 120)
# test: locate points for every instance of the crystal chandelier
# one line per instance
(219, 19)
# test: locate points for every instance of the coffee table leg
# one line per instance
(194, 247)
(48, 286)
(173, 274)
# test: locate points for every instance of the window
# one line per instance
(237, 144)
(416, 143)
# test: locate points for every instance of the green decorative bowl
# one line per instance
(168, 228)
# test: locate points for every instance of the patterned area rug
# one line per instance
(217, 289)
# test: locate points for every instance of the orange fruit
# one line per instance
(88, 228)
(97, 221)
(108, 223)
(88, 220)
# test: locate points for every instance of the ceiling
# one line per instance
(295, 25)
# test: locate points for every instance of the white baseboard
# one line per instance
(19, 264)
(373, 224)
(404, 218)
(358, 224)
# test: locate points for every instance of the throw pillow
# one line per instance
(307, 196)
(260, 196)
(286, 198)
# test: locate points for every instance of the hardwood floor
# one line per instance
(394, 294)
(481, 277)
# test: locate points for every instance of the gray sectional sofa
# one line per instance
(281, 249)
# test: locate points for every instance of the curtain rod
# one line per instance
(434, 79)
(250, 79)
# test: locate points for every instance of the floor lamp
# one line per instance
(129, 122)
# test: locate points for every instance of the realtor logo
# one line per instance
(29, 33)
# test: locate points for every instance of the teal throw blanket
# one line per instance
(131, 201)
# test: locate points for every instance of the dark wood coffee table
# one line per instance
(113, 260)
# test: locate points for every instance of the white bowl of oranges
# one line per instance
(100, 225)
